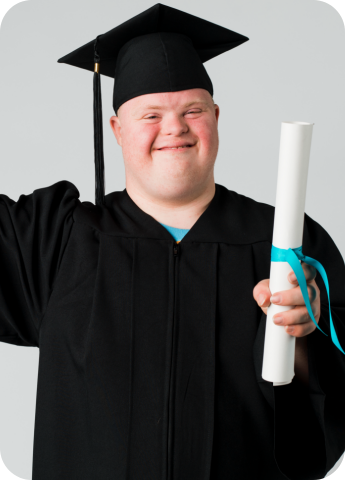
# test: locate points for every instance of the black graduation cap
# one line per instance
(160, 50)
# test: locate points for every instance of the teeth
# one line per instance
(175, 148)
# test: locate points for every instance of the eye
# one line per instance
(193, 111)
(155, 116)
(150, 117)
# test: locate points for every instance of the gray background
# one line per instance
(291, 69)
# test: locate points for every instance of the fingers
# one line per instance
(295, 316)
(294, 295)
(297, 321)
(309, 273)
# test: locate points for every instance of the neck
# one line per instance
(181, 211)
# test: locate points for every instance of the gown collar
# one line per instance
(157, 230)
(230, 218)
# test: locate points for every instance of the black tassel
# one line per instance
(98, 132)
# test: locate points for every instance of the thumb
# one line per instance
(264, 299)
(262, 294)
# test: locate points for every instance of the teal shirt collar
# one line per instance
(177, 233)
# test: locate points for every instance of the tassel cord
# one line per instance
(98, 136)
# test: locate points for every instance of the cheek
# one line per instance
(208, 136)
(137, 143)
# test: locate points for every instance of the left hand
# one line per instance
(298, 317)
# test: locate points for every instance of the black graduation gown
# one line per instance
(151, 352)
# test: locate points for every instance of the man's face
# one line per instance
(148, 128)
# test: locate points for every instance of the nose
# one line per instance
(174, 124)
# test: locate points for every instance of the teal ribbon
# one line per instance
(292, 257)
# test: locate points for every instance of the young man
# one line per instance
(149, 307)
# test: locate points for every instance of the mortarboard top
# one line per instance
(159, 50)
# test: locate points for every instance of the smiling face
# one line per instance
(151, 126)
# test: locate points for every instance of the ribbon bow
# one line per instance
(292, 257)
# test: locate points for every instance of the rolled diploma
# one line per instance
(295, 142)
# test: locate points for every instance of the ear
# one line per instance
(116, 128)
(216, 111)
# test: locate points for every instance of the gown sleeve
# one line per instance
(309, 422)
(34, 232)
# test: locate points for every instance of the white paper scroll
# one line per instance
(295, 142)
